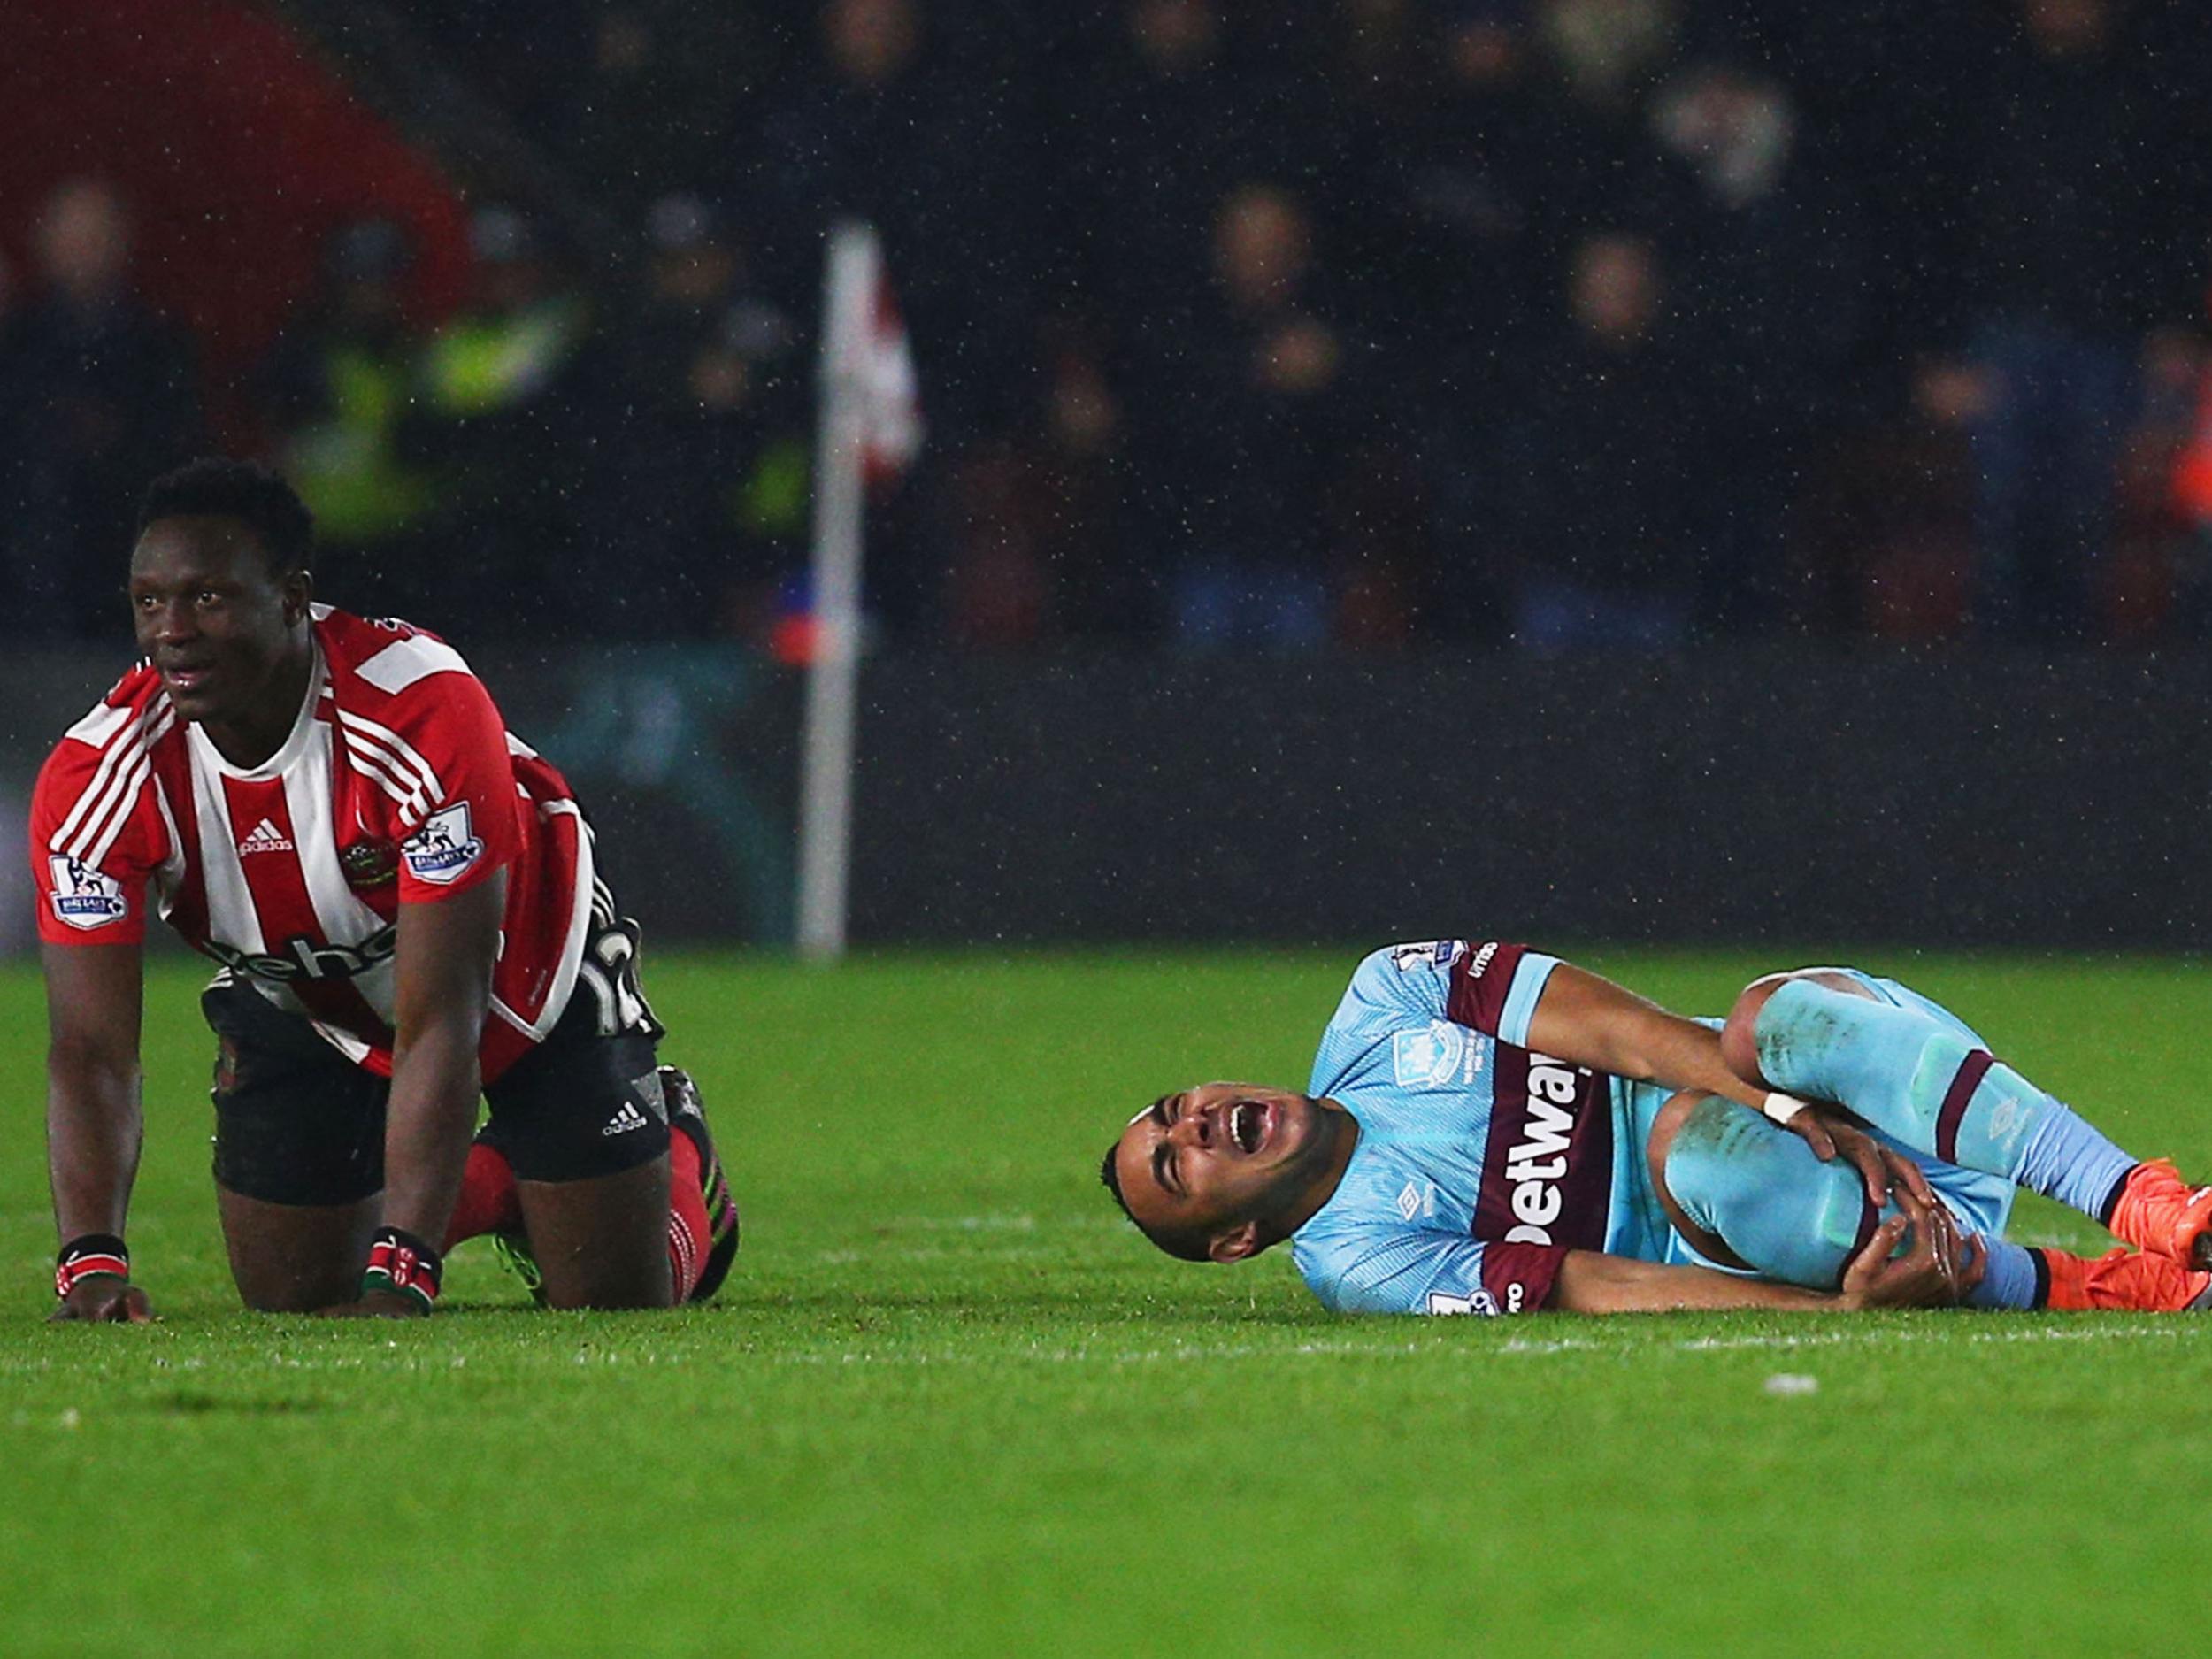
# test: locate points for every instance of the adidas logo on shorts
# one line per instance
(628, 1119)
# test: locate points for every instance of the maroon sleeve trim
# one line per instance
(1482, 978)
(1955, 1099)
(1519, 1277)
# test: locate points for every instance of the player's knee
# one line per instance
(1747, 1193)
(610, 1280)
(1684, 1156)
(1739, 1035)
(1723, 1158)
(293, 1294)
(1703, 1151)
(301, 1271)
(1664, 1128)
(628, 1299)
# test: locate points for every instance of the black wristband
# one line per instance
(400, 1261)
(87, 1256)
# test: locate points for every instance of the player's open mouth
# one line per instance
(1247, 1125)
(186, 678)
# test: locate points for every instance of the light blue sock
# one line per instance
(2009, 1281)
(2067, 1159)
(1931, 1088)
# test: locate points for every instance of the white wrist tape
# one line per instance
(1781, 1107)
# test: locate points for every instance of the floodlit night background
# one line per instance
(1583, 469)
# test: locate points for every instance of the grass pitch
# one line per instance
(949, 1404)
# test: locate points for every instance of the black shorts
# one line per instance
(297, 1123)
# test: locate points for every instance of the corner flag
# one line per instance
(868, 430)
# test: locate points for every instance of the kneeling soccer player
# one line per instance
(405, 902)
(1489, 1130)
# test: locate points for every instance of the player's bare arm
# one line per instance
(1586, 1019)
(443, 966)
(1937, 1271)
(94, 1124)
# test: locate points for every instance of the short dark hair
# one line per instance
(1181, 1243)
(217, 487)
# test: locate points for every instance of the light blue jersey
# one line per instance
(1480, 1163)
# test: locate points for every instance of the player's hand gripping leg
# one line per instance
(1831, 1134)
(1942, 1266)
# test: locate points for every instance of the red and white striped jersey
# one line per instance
(399, 784)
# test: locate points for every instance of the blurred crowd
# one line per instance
(1579, 323)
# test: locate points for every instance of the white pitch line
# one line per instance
(1515, 1348)
(2034, 1334)
(966, 1224)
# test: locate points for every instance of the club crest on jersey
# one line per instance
(1440, 1057)
(369, 863)
(443, 849)
(82, 896)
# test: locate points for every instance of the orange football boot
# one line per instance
(2138, 1281)
(2158, 1211)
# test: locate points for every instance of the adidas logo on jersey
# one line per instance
(267, 838)
(628, 1119)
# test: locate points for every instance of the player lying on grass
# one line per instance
(1489, 1130)
(408, 910)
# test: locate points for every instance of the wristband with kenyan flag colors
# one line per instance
(400, 1261)
(86, 1255)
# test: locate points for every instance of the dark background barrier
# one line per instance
(1719, 796)
(1974, 799)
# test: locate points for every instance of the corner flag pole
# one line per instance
(833, 682)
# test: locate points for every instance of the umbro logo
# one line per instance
(267, 838)
(628, 1119)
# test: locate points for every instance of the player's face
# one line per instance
(225, 634)
(1213, 1157)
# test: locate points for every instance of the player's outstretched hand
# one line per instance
(1936, 1272)
(102, 1299)
(377, 1304)
(1884, 1168)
